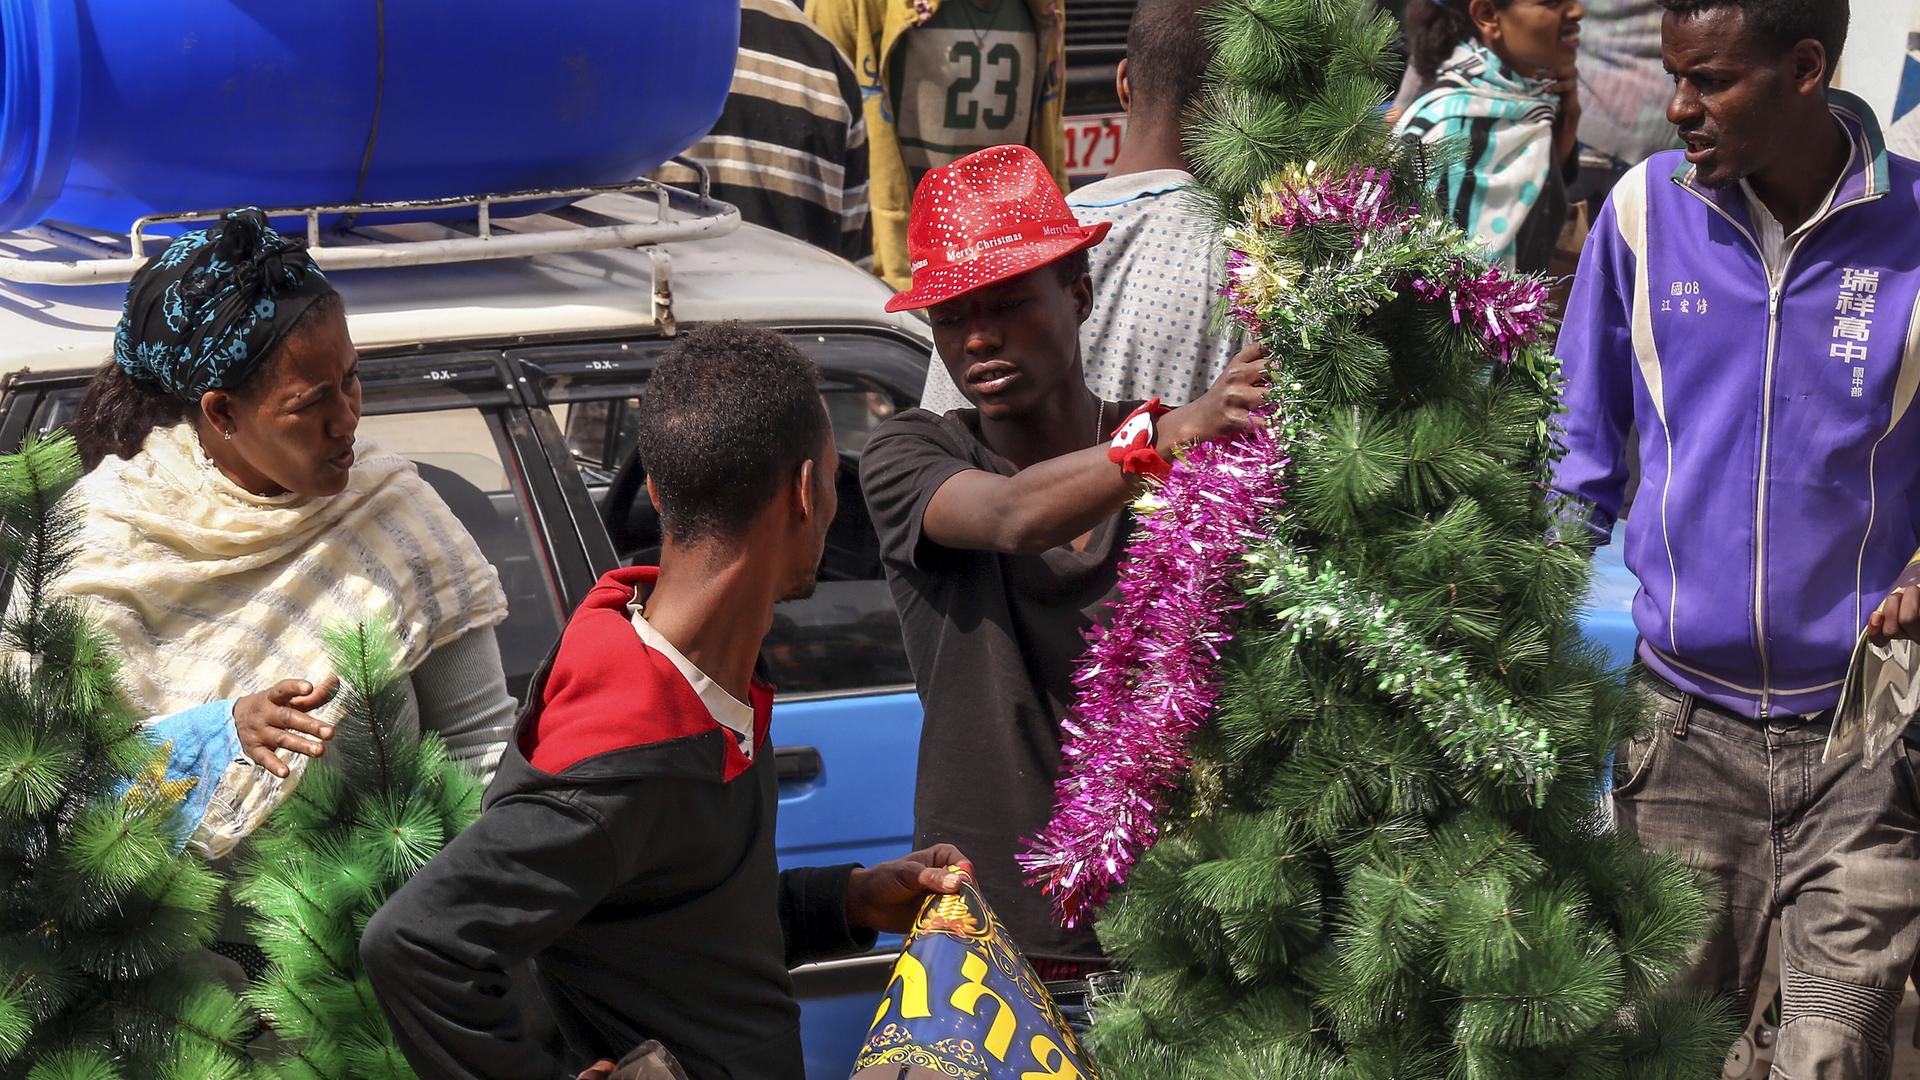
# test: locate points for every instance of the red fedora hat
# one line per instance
(989, 216)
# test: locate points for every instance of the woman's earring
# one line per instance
(227, 435)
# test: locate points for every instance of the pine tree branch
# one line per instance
(341, 968)
(178, 1020)
(299, 1054)
(32, 483)
(371, 1017)
(376, 726)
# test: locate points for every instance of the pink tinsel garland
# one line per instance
(1147, 684)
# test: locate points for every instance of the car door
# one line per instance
(846, 721)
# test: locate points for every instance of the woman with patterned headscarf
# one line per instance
(231, 515)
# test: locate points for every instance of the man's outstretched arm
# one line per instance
(1049, 503)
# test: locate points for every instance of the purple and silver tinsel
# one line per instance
(1394, 250)
(1146, 683)
(1359, 200)
(1507, 311)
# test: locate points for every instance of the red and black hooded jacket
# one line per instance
(625, 848)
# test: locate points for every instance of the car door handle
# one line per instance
(797, 763)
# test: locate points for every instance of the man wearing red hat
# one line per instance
(1001, 525)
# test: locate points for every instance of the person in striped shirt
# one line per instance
(790, 147)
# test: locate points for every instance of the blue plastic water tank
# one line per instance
(110, 109)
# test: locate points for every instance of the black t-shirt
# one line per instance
(994, 641)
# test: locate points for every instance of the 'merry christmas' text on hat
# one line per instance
(990, 216)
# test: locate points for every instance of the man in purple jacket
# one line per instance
(1745, 312)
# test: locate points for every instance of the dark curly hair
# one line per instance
(1782, 24)
(118, 411)
(726, 417)
(1435, 28)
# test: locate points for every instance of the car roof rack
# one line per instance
(71, 256)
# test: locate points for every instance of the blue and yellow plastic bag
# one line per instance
(963, 1004)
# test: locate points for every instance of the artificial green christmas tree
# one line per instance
(1385, 857)
(98, 906)
(380, 804)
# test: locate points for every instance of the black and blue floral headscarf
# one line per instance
(214, 305)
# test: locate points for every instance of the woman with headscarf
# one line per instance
(1504, 88)
(231, 516)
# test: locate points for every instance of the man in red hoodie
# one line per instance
(625, 848)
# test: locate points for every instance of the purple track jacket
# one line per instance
(1778, 441)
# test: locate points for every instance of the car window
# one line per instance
(846, 636)
(591, 436)
(462, 454)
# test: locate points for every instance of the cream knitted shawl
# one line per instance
(213, 592)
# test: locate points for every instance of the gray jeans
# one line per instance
(1830, 849)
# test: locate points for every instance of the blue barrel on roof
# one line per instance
(111, 109)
